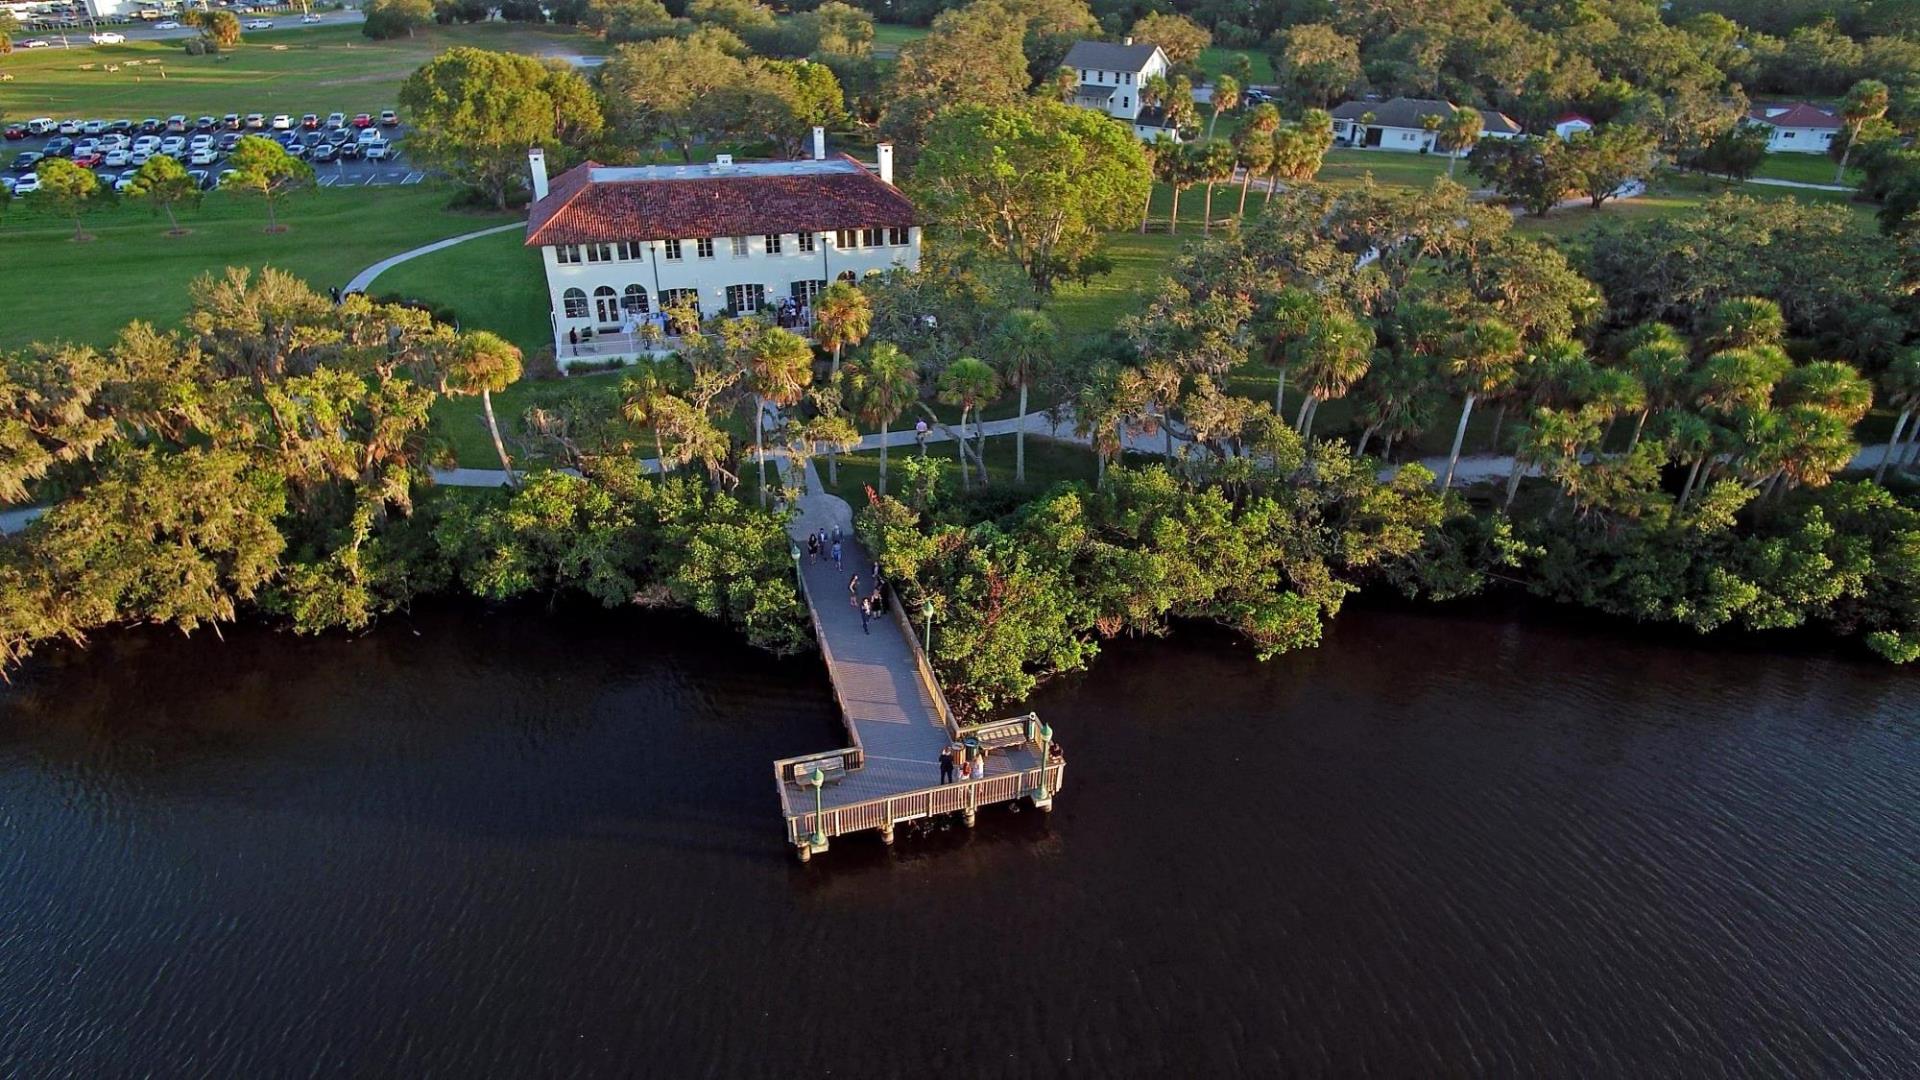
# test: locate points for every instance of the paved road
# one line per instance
(76, 37)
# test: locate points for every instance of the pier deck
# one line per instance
(897, 720)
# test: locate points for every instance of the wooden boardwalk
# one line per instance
(897, 720)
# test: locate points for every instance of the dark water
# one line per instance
(527, 846)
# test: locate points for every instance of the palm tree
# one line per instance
(779, 368)
(1459, 131)
(1867, 100)
(1334, 354)
(1901, 385)
(883, 383)
(1657, 356)
(482, 362)
(1480, 358)
(1553, 436)
(1254, 145)
(640, 395)
(1161, 379)
(1024, 345)
(1689, 438)
(1212, 164)
(1178, 170)
(841, 319)
(970, 383)
(1743, 322)
(1393, 399)
(1226, 97)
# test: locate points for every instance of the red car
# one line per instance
(363, 120)
(88, 161)
(15, 131)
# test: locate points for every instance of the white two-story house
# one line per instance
(623, 245)
(1111, 77)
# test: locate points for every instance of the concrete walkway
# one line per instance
(1769, 182)
(365, 277)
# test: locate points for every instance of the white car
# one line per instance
(85, 147)
(378, 151)
(199, 141)
(33, 43)
(107, 38)
(226, 176)
(369, 135)
(309, 18)
(166, 24)
(203, 156)
(27, 184)
(173, 144)
(146, 144)
(69, 127)
(93, 127)
(116, 159)
(139, 158)
(125, 182)
(282, 122)
(258, 24)
(42, 125)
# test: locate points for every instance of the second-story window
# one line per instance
(704, 247)
(597, 253)
(807, 242)
(869, 237)
(739, 247)
(628, 250)
(673, 249)
(772, 240)
(897, 237)
(567, 254)
(847, 239)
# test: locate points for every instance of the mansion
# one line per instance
(623, 245)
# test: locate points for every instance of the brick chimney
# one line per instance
(537, 162)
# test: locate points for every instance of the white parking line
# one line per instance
(414, 178)
(327, 181)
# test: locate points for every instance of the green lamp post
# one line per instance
(799, 582)
(819, 827)
(926, 608)
(1044, 734)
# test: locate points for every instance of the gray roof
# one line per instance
(1107, 56)
(1411, 112)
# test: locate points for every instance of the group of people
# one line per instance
(792, 314)
(833, 546)
(965, 762)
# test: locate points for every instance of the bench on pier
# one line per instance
(1004, 734)
(832, 771)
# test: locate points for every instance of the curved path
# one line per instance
(365, 277)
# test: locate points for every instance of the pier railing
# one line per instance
(959, 797)
(921, 664)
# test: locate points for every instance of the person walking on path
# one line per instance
(946, 764)
(866, 614)
(813, 548)
(853, 585)
(836, 535)
(836, 555)
(920, 436)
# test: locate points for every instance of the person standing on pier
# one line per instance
(946, 764)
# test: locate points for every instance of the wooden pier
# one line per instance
(896, 717)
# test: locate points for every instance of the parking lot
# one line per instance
(339, 172)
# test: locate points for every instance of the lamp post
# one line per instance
(926, 608)
(1044, 734)
(819, 828)
(799, 582)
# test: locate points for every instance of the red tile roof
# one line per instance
(580, 209)
(1797, 115)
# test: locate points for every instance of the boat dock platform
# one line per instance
(897, 719)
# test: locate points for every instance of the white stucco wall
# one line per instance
(1799, 140)
(655, 273)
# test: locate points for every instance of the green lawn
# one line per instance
(464, 425)
(493, 283)
(58, 288)
(1390, 169)
(888, 37)
(1804, 168)
(1218, 59)
(1139, 261)
(293, 71)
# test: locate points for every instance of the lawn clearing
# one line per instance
(1218, 59)
(59, 289)
(1139, 260)
(1804, 169)
(492, 283)
(334, 68)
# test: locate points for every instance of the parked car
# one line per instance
(370, 135)
(34, 43)
(87, 161)
(227, 142)
(312, 138)
(59, 147)
(379, 151)
(85, 146)
(149, 143)
(231, 121)
(27, 184)
(325, 152)
(339, 135)
(363, 120)
(25, 161)
(255, 121)
(173, 144)
(93, 127)
(203, 156)
(121, 127)
(69, 127)
(349, 151)
(151, 126)
(166, 24)
(42, 125)
(125, 181)
(116, 159)
(16, 131)
(296, 150)
(139, 158)
(199, 140)
(225, 177)
(176, 122)
(107, 38)
(310, 121)
(199, 177)
(205, 124)
(309, 18)
(336, 120)
(281, 122)
(258, 24)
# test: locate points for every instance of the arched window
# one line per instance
(848, 275)
(575, 303)
(634, 300)
(606, 306)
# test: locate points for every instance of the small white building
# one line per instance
(1401, 124)
(1796, 128)
(622, 245)
(1567, 125)
(1111, 77)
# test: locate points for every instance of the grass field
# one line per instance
(57, 288)
(493, 283)
(293, 71)
(1803, 168)
(1216, 60)
(888, 37)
